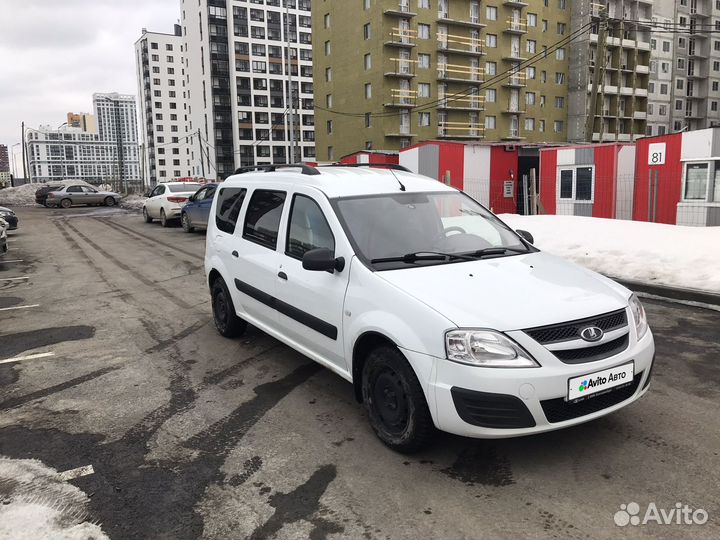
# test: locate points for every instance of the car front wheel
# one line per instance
(109, 201)
(227, 322)
(395, 402)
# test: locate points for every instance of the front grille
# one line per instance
(592, 354)
(559, 410)
(491, 410)
(571, 330)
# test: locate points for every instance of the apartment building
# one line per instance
(391, 73)
(4, 159)
(71, 153)
(662, 69)
(116, 116)
(688, 28)
(240, 74)
(170, 151)
(609, 72)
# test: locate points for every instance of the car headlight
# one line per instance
(638, 313)
(486, 348)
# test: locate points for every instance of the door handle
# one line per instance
(235, 254)
(282, 275)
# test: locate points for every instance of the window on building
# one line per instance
(367, 62)
(544, 24)
(679, 84)
(491, 13)
(559, 102)
(328, 74)
(650, 108)
(423, 31)
(714, 106)
(368, 120)
(423, 90)
(490, 68)
(329, 126)
(530, 72)
(367, 32)
(153, 45)
(696, 181)
(651, 88)
(327, 48)
(489, 122)
(424, 4)
(560, 54)
(530, 45)
(530, 98)
(663, 89)
(576, 183)
(490, 95)
(559, 78)
(681, 42)
(666, 46)
(653, 44)
(366, 4)
(681, 64)
(558, 126)
(423, 61)
(532, 19)
(541, 125)
(662, 109)
(562, 4)
(424, 119)
(716, 66)
(715, 86)
(529, 124)
(491, 41)
(329, 101)
(326, 20)
(368, 90)
(561, 28)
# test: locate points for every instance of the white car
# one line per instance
(439, 314)
(166, 200)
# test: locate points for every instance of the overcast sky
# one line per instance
(55, 53)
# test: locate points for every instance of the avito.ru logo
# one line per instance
(680, 514)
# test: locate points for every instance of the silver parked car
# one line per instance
(70, 195)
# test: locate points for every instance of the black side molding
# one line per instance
(311, 321)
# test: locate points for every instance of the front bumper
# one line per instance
(12, 222)
(526, 400)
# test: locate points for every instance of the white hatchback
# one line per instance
(439, 314)
(166, 200)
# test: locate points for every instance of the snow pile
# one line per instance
(36, 503)
(133, 202)
(25, 195)
(654, 253)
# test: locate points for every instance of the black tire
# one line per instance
(146, 216)
(227, 322)
(395, 401)
(164, 221)
(109, 201)
(66, 203)
(185, 221)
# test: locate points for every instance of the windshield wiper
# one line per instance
(495, 251)
(424, 256)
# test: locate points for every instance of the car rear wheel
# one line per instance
(227, 322)
(163, 219)
(146, 216)
(395, 401)
(185, 220)
(66, 203)
(109, 201)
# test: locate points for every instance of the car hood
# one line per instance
(510, 293)
(5, 209)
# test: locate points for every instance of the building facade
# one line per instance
(84, 121)
(170, 151)
(609, 72)
(237, 72)
(4, 159)
(391, 73)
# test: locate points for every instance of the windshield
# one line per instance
(395, 225)
(183, 188)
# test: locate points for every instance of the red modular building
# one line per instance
(377, 157)
(496, 175)
(677, 178)
(588, 180)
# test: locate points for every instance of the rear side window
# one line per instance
(308, 229)
(74, 189)
(228, 208)
(262, 220)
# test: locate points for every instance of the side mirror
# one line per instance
(322, 259)
(146, 194)
(526, 235)
(191, 198)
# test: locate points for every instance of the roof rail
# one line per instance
(393, 166)
(305, 169)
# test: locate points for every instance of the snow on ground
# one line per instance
(133, 202)
(35, 503)
(25, 195)
(654, 253)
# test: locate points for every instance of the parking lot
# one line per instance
(192, 435)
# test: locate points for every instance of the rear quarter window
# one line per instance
(262, 219)
(228, 207)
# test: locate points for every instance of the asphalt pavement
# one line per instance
(191, 435)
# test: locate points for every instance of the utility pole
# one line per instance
(290, 89)
(202, 160)
(599, 61)
(24, 150)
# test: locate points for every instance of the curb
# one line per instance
(673, 293)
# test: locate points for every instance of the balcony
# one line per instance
(402, 68)
(460, 73)
(640, 115)
(401, 37)
(515, 3)
(512, 135)
(516, 27)
(643, 70)
(516, 80)
(402, 10)
(402, 132)
(474, 22)
(626, 91)
(465, 45)
(462, 102)
(513, 109)
(460, 130)
(641, 92)
(514, 56)
(402, 98)
(605, 89)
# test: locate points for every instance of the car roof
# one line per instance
(337, 181)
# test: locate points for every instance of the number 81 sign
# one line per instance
(656, 154)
